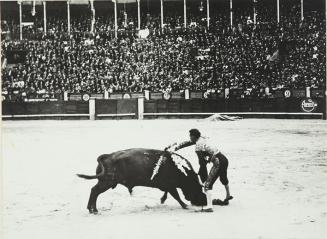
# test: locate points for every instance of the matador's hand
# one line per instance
(206, 186)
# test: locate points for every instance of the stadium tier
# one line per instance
(251, 51)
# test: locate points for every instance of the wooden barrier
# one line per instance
(139, 108)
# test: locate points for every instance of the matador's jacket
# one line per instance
(206, 151)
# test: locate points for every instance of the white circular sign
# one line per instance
(308, 105)
(126, 96)
(287, 93)
(166, 96)
(86, 97)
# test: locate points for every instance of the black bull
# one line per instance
(136, 167)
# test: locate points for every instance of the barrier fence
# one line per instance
(139, 108)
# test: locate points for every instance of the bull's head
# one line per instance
(189, 181)
(192, 190)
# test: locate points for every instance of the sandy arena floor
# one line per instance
(278, 177)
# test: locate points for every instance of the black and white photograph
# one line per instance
(143, 119)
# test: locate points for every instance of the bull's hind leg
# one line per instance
(99, 188)
(174, 193)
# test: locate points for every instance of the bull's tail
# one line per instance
(88, 177)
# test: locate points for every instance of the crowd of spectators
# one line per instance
(245, 56)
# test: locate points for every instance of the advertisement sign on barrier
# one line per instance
(166, 96)
(83, 97)
(31, 97)
(116, 96)
(86, 97)
(287, 93)
(39, 100)
(298, 93)
(75, 97)
(308, 105)
(97, 96)
(206, 95)
(156, 95)
(278, 93)
(137, 95)
(126, 96)
(177, 95)
(196, 95)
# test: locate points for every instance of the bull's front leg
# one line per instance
(175, 194)
(164, 197)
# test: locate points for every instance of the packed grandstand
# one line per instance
(244, 55)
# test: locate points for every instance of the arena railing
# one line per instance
(287, 103)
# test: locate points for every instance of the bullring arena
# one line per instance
(82, 78)
(277, 173)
